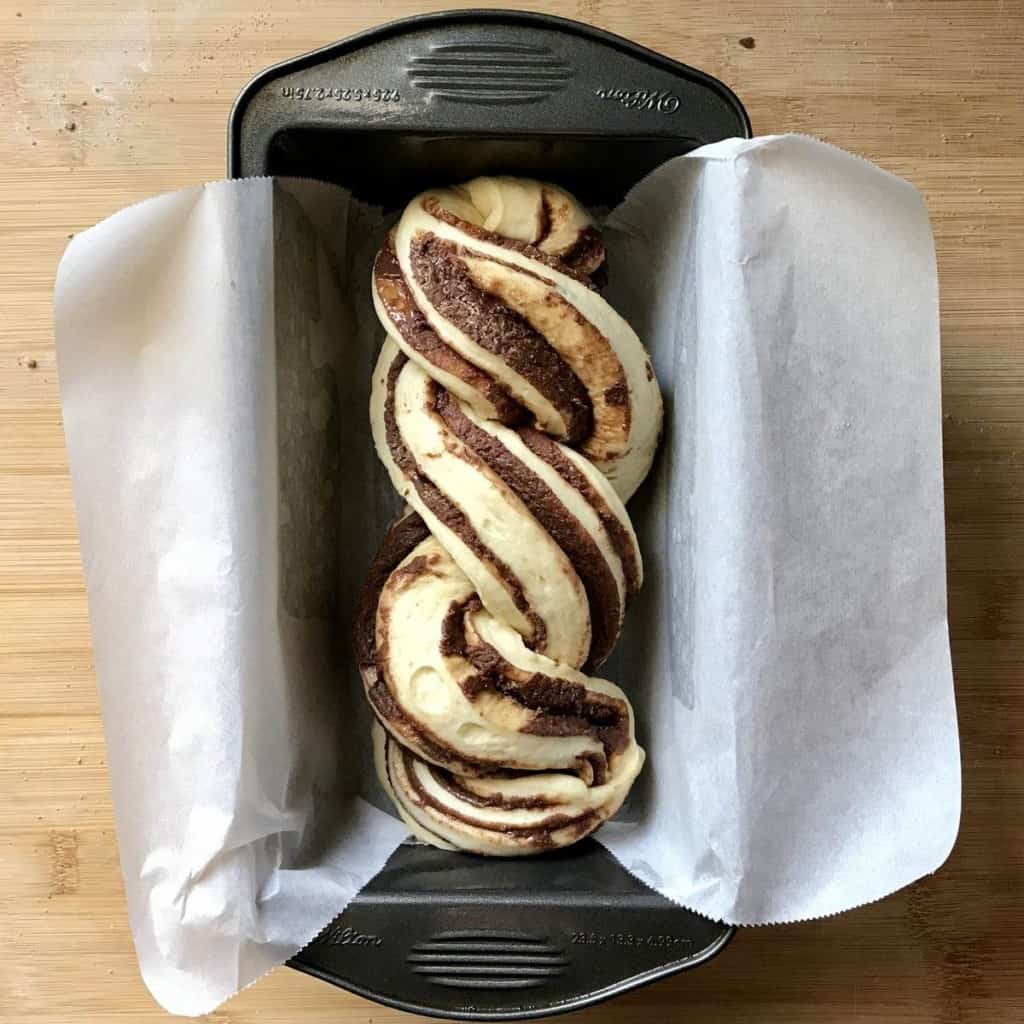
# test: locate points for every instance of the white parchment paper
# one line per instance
(788, 657)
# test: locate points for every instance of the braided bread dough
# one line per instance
(515, 412)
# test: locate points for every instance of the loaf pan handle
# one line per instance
(470, 938)
(482, 73)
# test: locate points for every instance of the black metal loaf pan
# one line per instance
(428, 101)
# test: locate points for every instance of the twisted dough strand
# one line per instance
(513, 566)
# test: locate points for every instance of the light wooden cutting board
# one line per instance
(103, 104)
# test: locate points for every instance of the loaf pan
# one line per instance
(429, 101)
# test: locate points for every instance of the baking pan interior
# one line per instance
(389, 168)
(455, 934)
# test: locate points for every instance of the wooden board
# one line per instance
(106, 103)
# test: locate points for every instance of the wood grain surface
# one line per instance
(103, 104)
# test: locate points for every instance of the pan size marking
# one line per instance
(659, 100)
(628, 939)
(340, 94)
